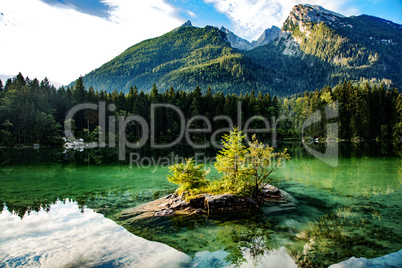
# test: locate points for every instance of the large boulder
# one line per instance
(285, 204)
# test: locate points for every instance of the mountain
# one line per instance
(187, 24)
(305, 14)
(318, 47)
(266, 37)
(236, 41)
(183, 58)
(315, 47)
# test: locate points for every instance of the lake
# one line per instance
(61, 210)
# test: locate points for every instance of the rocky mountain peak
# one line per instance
(267, 36)
(187, 24)
(304, 14)
(236, 41)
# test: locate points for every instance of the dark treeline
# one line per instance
(364, 112)
(33, 111)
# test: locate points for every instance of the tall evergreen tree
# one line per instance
(154, 95)
(79, 93)
(131, 97)
(91, 95)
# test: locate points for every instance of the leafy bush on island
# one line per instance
(245, 169)
(190, 178)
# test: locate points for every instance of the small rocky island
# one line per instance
(244, 185)
(271, 201)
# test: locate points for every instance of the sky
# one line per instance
(63, 39)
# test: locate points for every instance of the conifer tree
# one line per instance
(79, 93)
(230, 161)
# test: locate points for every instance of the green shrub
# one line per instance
(190, 178)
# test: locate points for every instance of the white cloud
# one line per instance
(61, 43)
(251, 17)
(192, 14)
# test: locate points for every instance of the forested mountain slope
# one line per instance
(315, 47)
(318, 47)
(183, 58)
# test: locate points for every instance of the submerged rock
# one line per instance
(285, 204)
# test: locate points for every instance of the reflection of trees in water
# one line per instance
(29, 187)
(96, 156)
(346, 149)
(54, 176)
(250, 240)
(107, 203)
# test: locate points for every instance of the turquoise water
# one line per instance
(350, 210)
(353, 209)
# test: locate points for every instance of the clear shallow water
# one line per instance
(351, 210)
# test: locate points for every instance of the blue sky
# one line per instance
(205, 12)
(389, 10)
(62, 39)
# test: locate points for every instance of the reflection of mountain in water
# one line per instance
(63, 236)
(66, 237)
